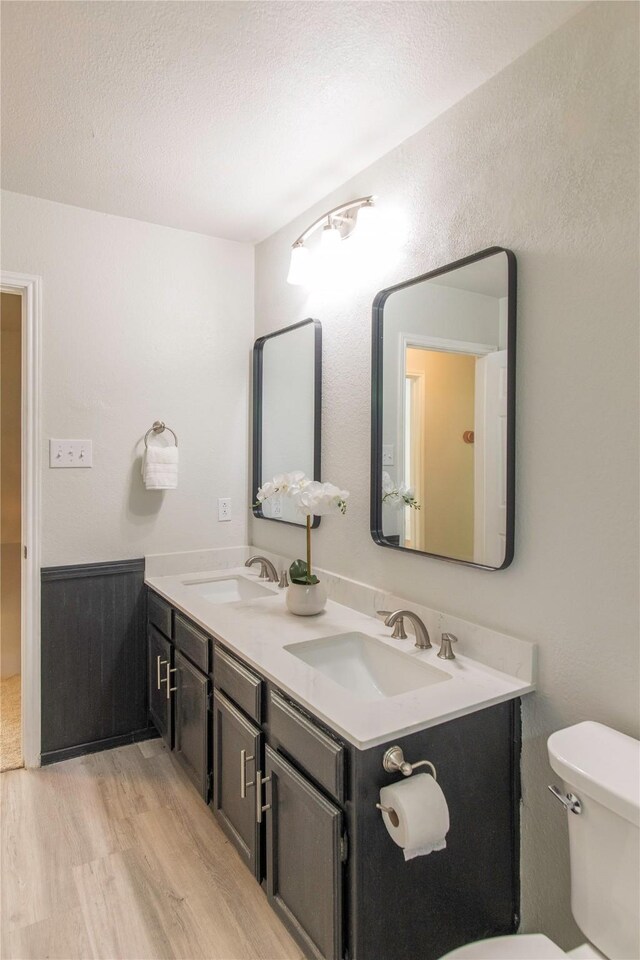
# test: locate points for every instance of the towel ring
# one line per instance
(159, 426)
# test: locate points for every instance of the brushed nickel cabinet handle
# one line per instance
(159, 660)
(243, 774)
(167, 680)
(259, 808)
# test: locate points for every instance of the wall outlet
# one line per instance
(224, 508)
(70, 453)
(387, 455)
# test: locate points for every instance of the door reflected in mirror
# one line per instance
(443, 371)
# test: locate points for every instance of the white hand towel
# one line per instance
(160, 468)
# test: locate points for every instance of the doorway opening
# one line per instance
(22, 460)
(10, 531)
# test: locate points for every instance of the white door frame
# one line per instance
(30, 288)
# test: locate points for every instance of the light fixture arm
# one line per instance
(342, 208)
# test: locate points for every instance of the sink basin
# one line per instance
(368, 668)
(227, 589)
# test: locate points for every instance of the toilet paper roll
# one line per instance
(422, 815)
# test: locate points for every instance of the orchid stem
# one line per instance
(309, 546)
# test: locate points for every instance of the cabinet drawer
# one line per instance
(191, 641)
(159, 613)
(310, 747)
(238, 682)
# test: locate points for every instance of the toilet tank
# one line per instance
(602, 768)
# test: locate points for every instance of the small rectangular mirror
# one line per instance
(443, 412)
(287, 397)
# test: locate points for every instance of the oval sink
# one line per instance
(366, 667)
(227, 589)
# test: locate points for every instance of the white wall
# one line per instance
(140, 322)
(542, 159)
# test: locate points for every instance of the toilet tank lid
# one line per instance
(601, 763)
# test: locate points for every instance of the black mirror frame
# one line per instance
(377, 397)
(258, 348)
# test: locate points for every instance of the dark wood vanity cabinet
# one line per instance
(237, 761)
(299, 804)
(264, 803)
(179, 692)
(192, 723)
(160, 663)
(305, 852)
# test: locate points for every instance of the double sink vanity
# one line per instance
(282, 723)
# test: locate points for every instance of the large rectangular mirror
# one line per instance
(287, 397)
(443, 412)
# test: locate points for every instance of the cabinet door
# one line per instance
(191, 710)
(237, 746)
(159, 652)
(304, 861)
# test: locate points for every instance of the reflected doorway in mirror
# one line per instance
(443, 388)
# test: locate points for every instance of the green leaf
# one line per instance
(298, 574)
(298, 569)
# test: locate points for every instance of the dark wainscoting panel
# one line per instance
(93, 658)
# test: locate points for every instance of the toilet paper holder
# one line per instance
(393, 760)
(390, 812)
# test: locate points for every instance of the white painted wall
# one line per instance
(140, 322)
(542, 159)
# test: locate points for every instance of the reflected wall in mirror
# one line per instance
(287, 395)
(443, 383)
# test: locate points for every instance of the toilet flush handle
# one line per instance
(568, 800)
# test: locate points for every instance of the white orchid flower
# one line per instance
(398, 496)
(318, 499)
(388, 485)
(312, 499)
(282, 483)
(267, 490)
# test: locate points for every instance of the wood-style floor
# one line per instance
(115, 856)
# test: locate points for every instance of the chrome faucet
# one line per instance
(423, 641)
(267, 569)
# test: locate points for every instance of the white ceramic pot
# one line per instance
(306, 600)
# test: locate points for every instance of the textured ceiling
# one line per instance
(231, 118)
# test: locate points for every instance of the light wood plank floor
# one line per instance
(115, 856)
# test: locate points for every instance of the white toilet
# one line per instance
(601, 769)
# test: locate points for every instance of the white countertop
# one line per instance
(258, 630)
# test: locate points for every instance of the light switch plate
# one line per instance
(70, 453)
(387, 455)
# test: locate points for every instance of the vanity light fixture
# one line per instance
(337, 225)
